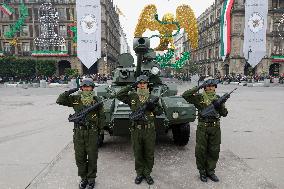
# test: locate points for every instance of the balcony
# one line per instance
(26, 53)
(8, 53)
(276, 10)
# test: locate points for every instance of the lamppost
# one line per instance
(106, 59)
(249, 69)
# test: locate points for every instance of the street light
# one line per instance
(250, 51)
(105, 58)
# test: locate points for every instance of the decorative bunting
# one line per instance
(226, 28)
(49, 53)
(20, 22)
(6, 9)
(165, 60)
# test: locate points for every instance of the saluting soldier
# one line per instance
(208, 133)
(85, 134)
(143, 134)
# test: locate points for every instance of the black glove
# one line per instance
(71, 91)
(134, 85)
(215, 104)
(150, 106)
(202, 86)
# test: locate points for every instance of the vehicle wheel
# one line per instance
(181, 134)
(100, 140)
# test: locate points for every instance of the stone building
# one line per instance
(207, 55)
(23, 45)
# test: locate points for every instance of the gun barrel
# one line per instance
(233, 90)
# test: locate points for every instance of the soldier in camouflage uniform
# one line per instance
(208, 133)
(86, 134)
(143, 134)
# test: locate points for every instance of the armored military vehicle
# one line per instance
(177, 112)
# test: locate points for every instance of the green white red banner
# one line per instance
(6, 9)
(225, 30)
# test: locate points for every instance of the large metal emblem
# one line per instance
(89, 24)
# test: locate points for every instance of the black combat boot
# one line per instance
(138, 179)
(203, 177)
(91, 185)
(213, 177)
(83, 183)
(149, 180)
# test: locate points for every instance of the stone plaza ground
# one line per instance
(37, 151)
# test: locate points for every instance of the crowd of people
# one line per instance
(62, 79)
(236, 78)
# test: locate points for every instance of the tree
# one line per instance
(45, 67)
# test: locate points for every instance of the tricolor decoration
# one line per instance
(277, 58)
(6, 9)
(165, 60)
(225, 29)
(73, 31)
(20, 22)
(49, 53)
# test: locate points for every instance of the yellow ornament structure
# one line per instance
(184, 16)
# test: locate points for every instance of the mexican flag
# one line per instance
(6, 9)
(225, 29)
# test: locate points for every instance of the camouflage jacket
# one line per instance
(130, 97)
(197, 99)
(96, 118)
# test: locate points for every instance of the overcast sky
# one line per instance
(132, 10)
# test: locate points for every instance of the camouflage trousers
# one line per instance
(86, 152)
(143, 143)
(208, 140)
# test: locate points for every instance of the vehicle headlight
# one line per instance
(175, 115)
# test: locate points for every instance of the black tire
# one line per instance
(181, 134)
(101, 140)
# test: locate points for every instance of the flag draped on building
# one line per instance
(255, 30)
(89, 31)
(6, 9)
(225, 30)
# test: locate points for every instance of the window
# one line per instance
(26, 47)
(7, 47)
(62, 30)
(275, 25)
(36, 14)
(61, 14)
(25, 31)
(217, 52)
(281, 3)
(277, 4)
(278, 47)
(5, 29)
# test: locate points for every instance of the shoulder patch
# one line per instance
(133, 102)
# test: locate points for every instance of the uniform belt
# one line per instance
(211, 124)
(144, 126)
(84, 127)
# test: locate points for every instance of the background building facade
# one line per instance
(23, 44)
(207, 55)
